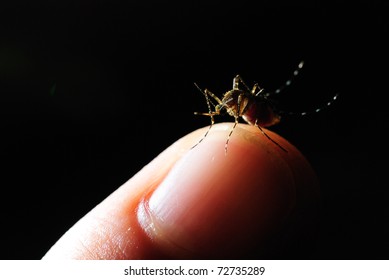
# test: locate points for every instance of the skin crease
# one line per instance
(256, 201)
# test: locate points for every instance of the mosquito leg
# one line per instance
(236, 82)
(236, 122)
(206, 97)
(268, 137)
(210, 113)
(288, 82)
(317, 110)
(206, 92)
(255, 87)
(229, 135)
(205, 135)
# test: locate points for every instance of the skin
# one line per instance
(256, 201)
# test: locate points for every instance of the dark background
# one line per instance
(91, 91)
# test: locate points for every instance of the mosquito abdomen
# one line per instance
(261, 114)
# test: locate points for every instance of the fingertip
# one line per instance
(218, 205)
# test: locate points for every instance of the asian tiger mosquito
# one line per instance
(253, 105)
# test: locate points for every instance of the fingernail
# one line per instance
(217, 205)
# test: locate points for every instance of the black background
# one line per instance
(91, 91)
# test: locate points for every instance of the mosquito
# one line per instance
(253, 105)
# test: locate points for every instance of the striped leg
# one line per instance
(268, 137)
(289, 82)
(317, 110)
(210, 112)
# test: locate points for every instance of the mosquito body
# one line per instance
(253, 105)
